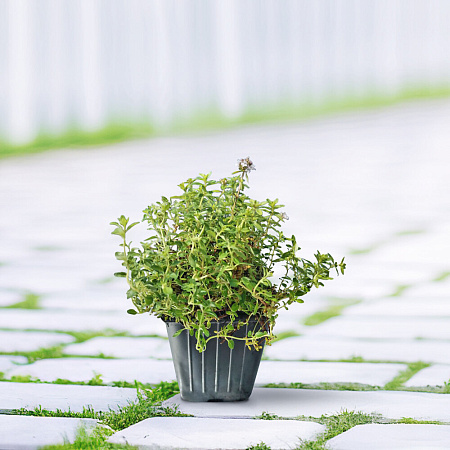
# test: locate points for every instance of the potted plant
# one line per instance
(207, 270)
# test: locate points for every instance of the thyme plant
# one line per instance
(211, 254)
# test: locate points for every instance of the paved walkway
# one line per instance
(373, 187)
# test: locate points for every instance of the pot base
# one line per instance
(218, 374)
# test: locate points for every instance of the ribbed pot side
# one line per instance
(218, 373)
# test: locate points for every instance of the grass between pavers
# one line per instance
(334, 309)
(441, 277)
(285, 335)
(382, 242)
(405, 375)
(57, 351)
(120, 129)
(444, 389)
(396, 384)
(95, 440)
(30, 301)
(400, 290)
(96, 380)
(148, 404)
(337, 424)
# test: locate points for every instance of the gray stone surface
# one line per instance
(122, 347)
(79, 321)
(392, 437)
(318, 347)
(64, 397)
(435, 375)
(10, 362)
(110, 370)
(211, 434)
(21, 341)
(390, 328)
(326, 372)
(29, 433)
(315, 402)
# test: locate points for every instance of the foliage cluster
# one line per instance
(211, 254)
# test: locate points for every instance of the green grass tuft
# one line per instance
(410, 420)
(260, 446)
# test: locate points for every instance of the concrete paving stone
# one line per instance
(435, 375)
(318, 348)
(27, 341)
(36, 279)
(315, 402)
(326, 372)
(438, 289)
(8, 298)
(360, 267)
(29, 433)
(392, 437)
(212, 434)
(10, 362)
(88, 299)
(351, 287)
(62, 396)
(404, 306)
(428, 249)
(82, 321)
(84, 369)
(122, 347)
(387, 328)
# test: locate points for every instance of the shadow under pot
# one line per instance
(219, 373)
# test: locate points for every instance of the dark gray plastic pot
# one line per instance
(218, 374)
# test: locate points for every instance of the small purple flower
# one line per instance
(246, 165)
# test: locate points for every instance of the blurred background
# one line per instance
(78, 71)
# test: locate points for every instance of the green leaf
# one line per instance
(132, 312)
(231, 344)
(131, 293)
(120, 256)
(119, 232)
(129, 227)
(234, 307)
(167, 290)
(120, 274)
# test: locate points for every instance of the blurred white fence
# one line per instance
(87, 63)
